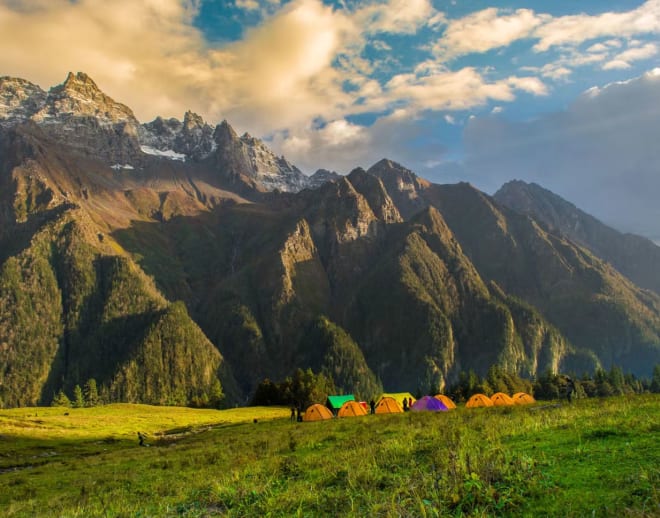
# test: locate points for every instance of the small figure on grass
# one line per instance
(299, 415)
(142, 438)
(570, 389)
(405, 404)
(293, 414)
(372, 405)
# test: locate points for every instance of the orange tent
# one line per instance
(522, 398)
(388, 405)
(501, 399)
(351, 409)
(478, 400)
(317, 413)
(445, 400)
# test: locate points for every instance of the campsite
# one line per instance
(592, 457)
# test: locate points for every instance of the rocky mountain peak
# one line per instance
(79, 96)
(403, 186)
(192, 138)
(19, 99)
(80, 82)
(224, 133)
(78, 114)
(372, 188)
(191, 121)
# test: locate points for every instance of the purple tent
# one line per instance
(430, 404)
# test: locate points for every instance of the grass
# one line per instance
(591, 458)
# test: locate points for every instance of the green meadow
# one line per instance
(594, 457)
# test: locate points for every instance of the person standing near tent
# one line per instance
(299, 414)
(293, 414)
(405, 405)
(372, 404)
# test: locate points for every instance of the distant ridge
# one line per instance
(634, 256)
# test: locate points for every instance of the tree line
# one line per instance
(551, 385)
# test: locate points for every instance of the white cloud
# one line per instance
(485, 30)
(576, 29)
(598, 48)
(397, 16)
(530, 85)
(436, 88)
(494, 28)
(623, 60)
(248, 5)
(449, 119)
(616, 64)
(639, 53)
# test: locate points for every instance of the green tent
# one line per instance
(334, 403)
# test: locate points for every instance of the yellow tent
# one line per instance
(388, 405)
(501, 399)
(445, 400)
(522, 398)
(351, 409)
(478, 400)
(399, 397)
(317, 413)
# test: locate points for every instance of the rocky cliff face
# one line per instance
(19, 100)
(247, 159)
(192, 138)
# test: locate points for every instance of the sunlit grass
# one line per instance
(595, 457)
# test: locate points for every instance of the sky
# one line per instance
(563, 93)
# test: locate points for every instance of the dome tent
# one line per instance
(429, 404)
(317, 413)
(522, 398)
(478, 400)
(351, 409)
(388, 405)
(501, 399)
(445, 400)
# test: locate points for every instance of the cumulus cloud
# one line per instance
(485, 30)
(576, 29)
(601, 153)
(433, 87)
(397, 16)
(494, 28)
(623, 59)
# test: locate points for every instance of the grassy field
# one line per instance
(590, 458)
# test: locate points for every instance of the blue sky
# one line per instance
(451, 89)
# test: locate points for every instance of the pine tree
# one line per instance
(655, 381)
(78, 400)
(91, 393)
(61, 399)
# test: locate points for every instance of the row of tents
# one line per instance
(347, 406)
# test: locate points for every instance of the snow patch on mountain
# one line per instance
(122, 167)
(164, 153)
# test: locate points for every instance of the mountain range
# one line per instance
(172, 260)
